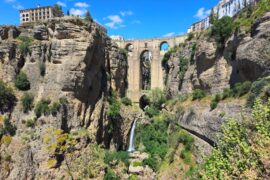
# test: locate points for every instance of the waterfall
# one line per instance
(131, 146)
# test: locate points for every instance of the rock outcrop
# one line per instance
(76, 57)
(246, 57)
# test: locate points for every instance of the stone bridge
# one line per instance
(144, 61)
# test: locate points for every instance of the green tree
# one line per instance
(57, 10)
(7, 97)
(88, 16)
(213, 17)
(22, 82)
(222, 29)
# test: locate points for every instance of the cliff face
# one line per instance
(245, 57)
(77, 57)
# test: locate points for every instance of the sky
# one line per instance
(131, 19)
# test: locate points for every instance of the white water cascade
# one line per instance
(131, 146)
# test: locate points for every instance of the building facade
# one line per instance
(224, 8)
(36, 14)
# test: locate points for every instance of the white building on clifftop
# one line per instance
(36, 14)
(224, 8)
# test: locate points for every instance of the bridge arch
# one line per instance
(129, 47)
(164, 46)
(145, 69)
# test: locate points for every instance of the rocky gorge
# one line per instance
(78, 123)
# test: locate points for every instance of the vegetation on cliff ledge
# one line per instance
(243, 151)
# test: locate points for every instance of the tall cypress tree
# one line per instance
(88, 16)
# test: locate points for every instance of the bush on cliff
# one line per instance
(183, 67)
(214, 102)
(126, 101)
(241, 89)
(259, 88)
(198, 94)
(222, 30)
(27, 102)
(24, 44)
(114, 107)
(243, 151)
(7, 128)
(42, 107)
(7, 97)
(22, 82)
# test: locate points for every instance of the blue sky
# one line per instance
(129, 18)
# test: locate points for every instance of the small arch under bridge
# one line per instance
(156, 49)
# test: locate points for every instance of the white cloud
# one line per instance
(14, 4)
(77, 12)
(115, 21)
(202, 13)
(81, 5)
(17, 6)
(169, 34)
(61, 4)
(126, 13)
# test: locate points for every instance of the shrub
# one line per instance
(27, 102)
(222, 29)
(25, 42)
(126, 101)
(183, 67)
(151, 111)
(241, 89)
(137, 163)
(133, 177)
(7, 98)
(259, 88)
(227, 93)
(110, 175)
(157, 98)
(152, 162)
(114, 110)
(198, 94)
(213, 105)
(6, 139)
(42, 69)
(215, 101)
(22, 82)
(42, 107)
(31, 123)
(186, 139)
(7, 128)
(112, 157)
(54, 109)
(186, 155)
